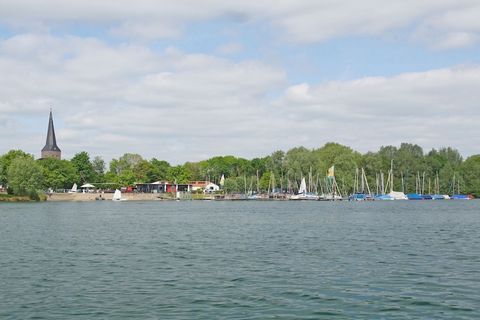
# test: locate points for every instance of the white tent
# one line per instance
(87, 186)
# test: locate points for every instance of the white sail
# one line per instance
(117, 196)
(303, 187)
(74, 188)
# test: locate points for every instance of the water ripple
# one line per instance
(240, 260)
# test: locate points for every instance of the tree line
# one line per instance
(25, 176)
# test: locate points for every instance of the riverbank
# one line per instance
(100, 196)
(11, 198)
(58, 197)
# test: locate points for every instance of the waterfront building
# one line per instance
(51, 150)
(205, 186)
(163, 187)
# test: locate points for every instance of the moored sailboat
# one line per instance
(303, 194)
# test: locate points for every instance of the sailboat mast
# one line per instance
(382, 178)
(403, 184)
(423, 182)
(453, 184)
(391, 176)
(363, 181)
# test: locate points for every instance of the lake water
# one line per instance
(240, 260)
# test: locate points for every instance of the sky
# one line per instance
(186, 80)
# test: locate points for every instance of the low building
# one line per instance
(205, 186)
(163, 187)
(199, 185)
(211, 187)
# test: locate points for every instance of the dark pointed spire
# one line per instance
(51, 149)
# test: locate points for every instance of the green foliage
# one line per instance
(158, 170)
(6, 160)
(470, 170)
(126, 178)
(265, 182)
(98, 166)
(81, 162)
(126, 162)
(178, 174)
(25, 177)
(231, 185)
(213, 168)
(129, 169)
(58, 174)
(283, 168)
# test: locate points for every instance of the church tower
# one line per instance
(51, 150)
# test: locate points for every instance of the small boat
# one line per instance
(117, 196)
(394, 195)
(462, 197)
(303, 194)
(331, 197)
(414, 196)
(397, 195)
(74, 188)
(384, 197)
(360, 197)
(361, 191)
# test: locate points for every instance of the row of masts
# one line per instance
(328, 185)
(314, 184)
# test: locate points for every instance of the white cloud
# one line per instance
(455, 40)
(299, 21)
(114, 99)
(434, 108)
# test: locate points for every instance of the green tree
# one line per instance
(178, 174)
(195, 170)
(265, 182)
(141, 170)
(128, 169)
(126, 178)
(98, 166)
(6, 160)
(470, 172)
(58, 174)
(25, 177)
(298, 162)
(231, 185)
(81, 161)
(345, 160)
(446, 178)
(158, 170)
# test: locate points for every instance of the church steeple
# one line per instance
(51, 150)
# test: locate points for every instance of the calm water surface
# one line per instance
(240, 260)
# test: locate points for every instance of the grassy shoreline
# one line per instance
(12, 198)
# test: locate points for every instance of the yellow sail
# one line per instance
(331, 172)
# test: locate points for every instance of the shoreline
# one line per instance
(82, 197)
